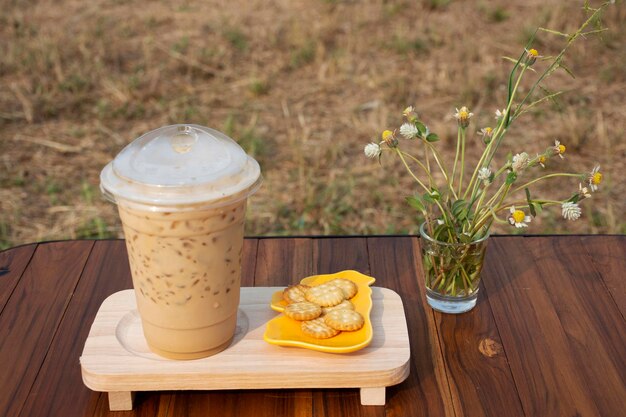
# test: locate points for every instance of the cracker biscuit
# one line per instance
(325, 295)
(344, 305)
(346, 320)
(295, 293)
(348, 287)
(302, 311)
(318, 329)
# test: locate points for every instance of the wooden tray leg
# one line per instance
(121, 400)
(373, 396)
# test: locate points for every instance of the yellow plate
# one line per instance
(284, 331)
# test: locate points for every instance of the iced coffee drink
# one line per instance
(185, 250)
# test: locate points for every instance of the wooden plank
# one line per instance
(236, 403)
(333, 255)
(145, 405)
(219, 403)
(608, 256)
(479, 376)
(592, 323)
(280, 262)
(522, 282)
(395, 264)
(32, 316)
(121, 400)
(198, 403)
(283, 261)
(249, 262)
(59, 390)
(116, 357)
(337, 254)
(373, 396)
(13, 262)
(161, 403)
(478, 371)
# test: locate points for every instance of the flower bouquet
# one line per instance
(459, 210)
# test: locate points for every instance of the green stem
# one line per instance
(524, 204)
(421, 165)
(481, 221)
(444, 172)
(410, 170)
(503, 124)
(462, 160)
(558, 174)
(501, 130)
(466, 280)
(496, 218)
(493, 198)
(480, 200)
(484, 194)
(497, 135)
(456, 156)
(518, 204)
(556, 63)
(427, 158)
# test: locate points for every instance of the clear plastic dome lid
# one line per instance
(180, 164)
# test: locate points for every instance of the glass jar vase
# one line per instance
(452, 272)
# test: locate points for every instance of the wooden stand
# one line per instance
(116, 358)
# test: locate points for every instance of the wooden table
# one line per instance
(548, 337)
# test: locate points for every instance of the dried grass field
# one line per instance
(302, 86)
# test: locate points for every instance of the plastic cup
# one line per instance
(181, 193)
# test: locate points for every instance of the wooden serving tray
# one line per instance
(116, 358)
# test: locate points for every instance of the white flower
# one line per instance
(486, 133)
(558, 149)
(518, 218)
(484, 175)
(583, 192)
(520, 162)
(500, 113)
(463, 116)
(570, 211)
(531, 56)
(594, 178)
(410, 114)
(408, 130)
(541, 160)
(389, 138)
(372, 150)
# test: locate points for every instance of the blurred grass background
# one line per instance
(302, 86)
